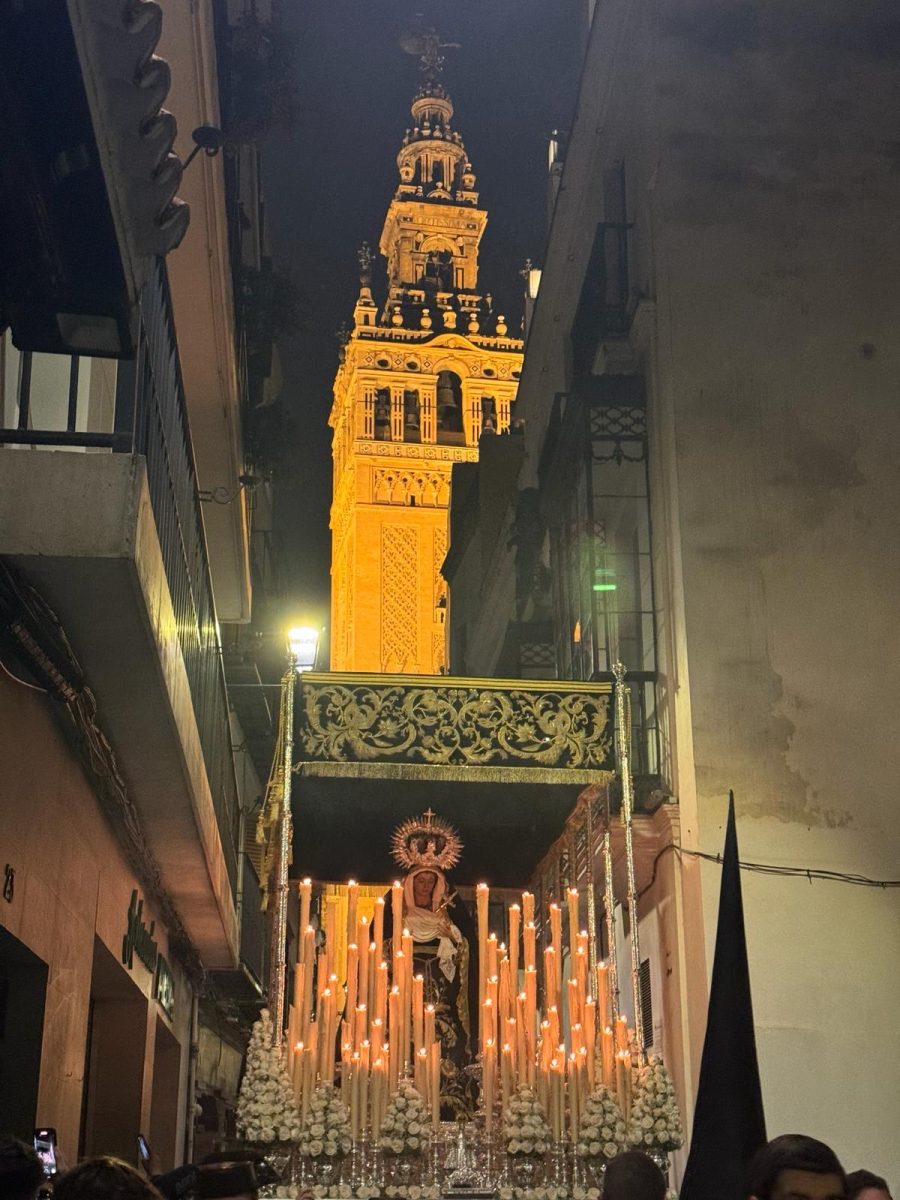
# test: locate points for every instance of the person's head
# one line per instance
(633, 1176)
(796, 1167)
(104, 1179)
(175, 1185)
(226, 1181)
(21, 1173)
(423, 888)
(863, 1185)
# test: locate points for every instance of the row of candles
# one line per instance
(388, 1031)
(520, 1050)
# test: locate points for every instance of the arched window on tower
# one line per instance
(449, 408)
(383, 415)
(411, 417)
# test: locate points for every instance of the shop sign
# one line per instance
(164, 987)
(138, 938)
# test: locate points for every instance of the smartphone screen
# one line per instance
(45, 1148)
(143, 1149)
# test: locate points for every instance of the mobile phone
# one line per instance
(45, 1148)
(143, 1149)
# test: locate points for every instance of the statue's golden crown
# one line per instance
(426, 841)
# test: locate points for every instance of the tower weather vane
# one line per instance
(427, 48)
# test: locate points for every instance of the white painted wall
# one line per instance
(769, 224)
(766, 200)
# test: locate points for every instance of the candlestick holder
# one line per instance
(356, 1168)
(432, 1175)
(488, 1156)
(376, 1165)
(579, 1170)
(559, 1164)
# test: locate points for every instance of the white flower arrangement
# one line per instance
(327, 1130)
(525, 1128)
(404, 1127)
(655, 1120)
(550, 1191)
(266, 1109)
(413, 1191)
(342, 1190)
(579, 1192)
(602, 1132)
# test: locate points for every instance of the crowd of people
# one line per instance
(791, 1167)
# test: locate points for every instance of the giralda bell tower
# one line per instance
(423, 376)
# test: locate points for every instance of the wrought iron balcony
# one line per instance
(447, 721)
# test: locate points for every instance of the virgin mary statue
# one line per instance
(443, 949)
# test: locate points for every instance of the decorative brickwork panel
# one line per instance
(438, 653)
(399, 592)
(342, 620)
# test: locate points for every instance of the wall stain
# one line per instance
(765, 734)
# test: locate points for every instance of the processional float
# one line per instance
(355, 1076)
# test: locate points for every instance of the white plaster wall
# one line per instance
(768, 209)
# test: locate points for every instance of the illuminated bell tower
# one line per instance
(421, 379)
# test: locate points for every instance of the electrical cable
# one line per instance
(24, 682)
(808, 873)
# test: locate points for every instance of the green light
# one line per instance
(604, 587)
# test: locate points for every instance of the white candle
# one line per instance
(352, 902)
(305, 904)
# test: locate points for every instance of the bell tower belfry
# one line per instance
(422, 377)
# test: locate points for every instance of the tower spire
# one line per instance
(420, 382)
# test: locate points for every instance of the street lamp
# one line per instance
(303, 650)
(303, 647)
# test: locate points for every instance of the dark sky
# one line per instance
(329, 180)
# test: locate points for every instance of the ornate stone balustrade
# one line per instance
(447, 721)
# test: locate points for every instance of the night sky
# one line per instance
(330, 178)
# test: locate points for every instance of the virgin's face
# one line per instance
(423, 888)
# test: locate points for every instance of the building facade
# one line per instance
(707, 492)
(422, 380)
(130, 914)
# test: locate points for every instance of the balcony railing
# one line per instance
(149, 418)
(444, 721)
